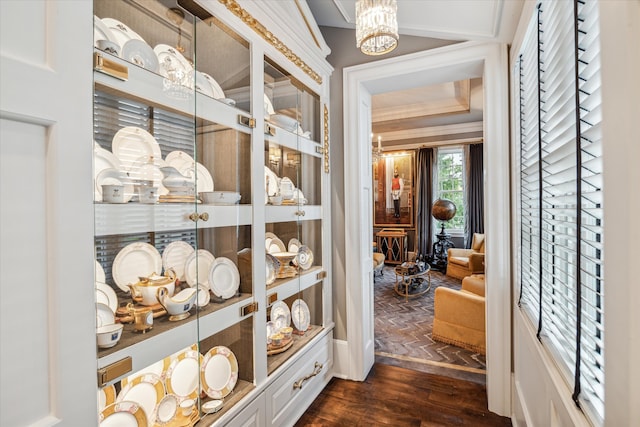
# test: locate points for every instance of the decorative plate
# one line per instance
(276, 245)
(197, 267)
(202, 84)
(106, 396)
(294, 245)
(300, 315)
(219, 372)
(268, 106)
(272, 182)
(109, 294)
(121, 33)
(204, 181)
(159, 368)
(203, 297)
(102, 159)
(272, 266)
(113, 176)
(280, 308)
(271, 329)
(146, 390)
(175, 255)
(305, 257)
(179, 160)
(183, 375)
(172, 60)
(123, 414)
(166, 410)
(218, 93)
(100, 276)
(141, 54)
(281, 321)
(101, 32)
(135, 260)
(104, 315)
(224, 278)
(131, 143)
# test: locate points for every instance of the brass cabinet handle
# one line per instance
(195, 217)
(317, 368)
(300, 213)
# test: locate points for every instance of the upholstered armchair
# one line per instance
(378, 264)
(465, 262)
(460, 315)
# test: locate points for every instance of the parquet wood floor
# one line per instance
(395, 396)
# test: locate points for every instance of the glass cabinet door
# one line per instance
(293, 239)
(173, 212)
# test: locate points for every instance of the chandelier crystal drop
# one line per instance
(376, 26)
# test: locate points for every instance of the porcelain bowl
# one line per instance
(109, 335)
(275, 200)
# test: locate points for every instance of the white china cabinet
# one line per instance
(211, 212)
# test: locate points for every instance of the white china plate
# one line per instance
(204, 181)
(299, 197)
(104, 315)
(197, 267)
(280, 308)
(268, 237)
(148, 169)
(169, 56)
(175, 255)
(101, 32)
(117, 177)
(102, 298)
(123, 414)
(141, 54)
(131, 143)
(183, 375)
(121, 33)
(203, 297)
(300, 315)
(218, 93)
(272, 182)
(273, 265)
(135, 260)
(166, 410)
(281, 322)
(304, 258)
(294, 245)
(106, 396)
(157, 368)
(146, 390)
(109, 293)
(224, 278)
(276, 245)
(179, 160)
(219, 372)
(271, 329)
(100, 276)
(202, 84)
(268, 106)
(102, 159)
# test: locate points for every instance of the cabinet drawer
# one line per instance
(294, 390)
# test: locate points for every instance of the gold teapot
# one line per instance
(145, 291)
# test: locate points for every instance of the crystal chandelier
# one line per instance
(376, 26)
(376, 153)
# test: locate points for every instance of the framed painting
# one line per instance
(393, 181)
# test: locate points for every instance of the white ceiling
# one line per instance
(446, 112)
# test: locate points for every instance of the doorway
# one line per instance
(456, 62)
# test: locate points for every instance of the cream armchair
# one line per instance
(459, 317)
(465, 262)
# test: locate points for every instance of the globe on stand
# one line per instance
(443, 210)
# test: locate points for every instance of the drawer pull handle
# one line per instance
(317, 368)
(195, 217)
(300, 213)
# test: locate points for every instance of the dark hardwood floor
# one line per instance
(394, 396)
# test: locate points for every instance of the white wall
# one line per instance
(541, 396)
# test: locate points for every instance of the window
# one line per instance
(451, 184)
(560, 193)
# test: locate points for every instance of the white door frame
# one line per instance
(450, 63)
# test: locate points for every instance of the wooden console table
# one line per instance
(392, 242)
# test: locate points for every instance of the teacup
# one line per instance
(187, 406)
(148, 194)
(113, 193)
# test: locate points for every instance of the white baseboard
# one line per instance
(340, 359)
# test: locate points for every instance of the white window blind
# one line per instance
(560, 193)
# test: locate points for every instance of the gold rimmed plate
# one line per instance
(219, 372)
(123, 414)
(183, 375)
(146, 390)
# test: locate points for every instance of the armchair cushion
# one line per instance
(460, 315)
(464, 262)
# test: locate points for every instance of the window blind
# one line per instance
(560, 193)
